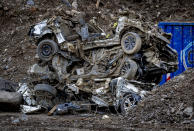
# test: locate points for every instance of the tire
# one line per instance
(131, 43)
(129, 69)
(44, 89)
(6, 85)
(127, 103)
(46, 49)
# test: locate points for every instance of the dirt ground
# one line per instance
(80, 123)
(167, 103)
(161, 110)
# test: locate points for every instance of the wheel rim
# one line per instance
(129, 42)
(125, 68)
(128, 104)
(46, 50)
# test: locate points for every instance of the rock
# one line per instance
(75, 5)
(105, 117)
(172, 110)
(16, 121)
(9, 59)
(188, 112)
(5, 8)
(162, 99)
(30, 2)
(22, 118)
(164, 96)
(6, 67)
(113, 17)
(186, 122)
(4, 60)
(67, 3)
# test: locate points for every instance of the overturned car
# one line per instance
(78, 59)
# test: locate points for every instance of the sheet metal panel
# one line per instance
(183, 42)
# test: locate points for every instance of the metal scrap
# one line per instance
(64, 108)
(30, 109)
(107, 71)
(27, 94)
(99, 101)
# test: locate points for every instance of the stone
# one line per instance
(188, 112)
(105, 117)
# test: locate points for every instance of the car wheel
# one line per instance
(127, 103)
(46, 49)
(128, 69)
(131, 43)
(44, 90)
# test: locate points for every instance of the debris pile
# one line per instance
(78, 61)
(90, 66)
(82, 64)
(169, 108)
(172, 103)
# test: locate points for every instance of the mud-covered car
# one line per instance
(85, 61)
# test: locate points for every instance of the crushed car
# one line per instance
(79, 61)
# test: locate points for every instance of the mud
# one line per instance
(69, 122)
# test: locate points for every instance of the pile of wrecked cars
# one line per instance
(79, 66)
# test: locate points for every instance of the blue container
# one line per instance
(183, 42)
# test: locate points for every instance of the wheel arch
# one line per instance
(129, 29)
(46, 35)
